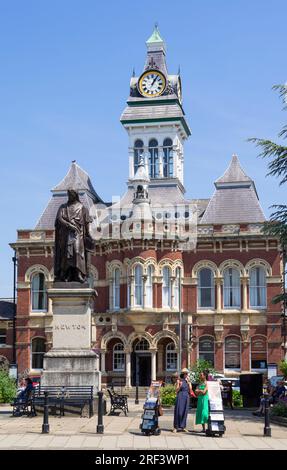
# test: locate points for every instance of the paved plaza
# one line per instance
(243, 431)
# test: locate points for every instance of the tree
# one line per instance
(277, 166)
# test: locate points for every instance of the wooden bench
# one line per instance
(59, 397)
(118, 402)
(24, 406)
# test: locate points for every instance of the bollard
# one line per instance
(137, 395)
(267, 428)
(100, 426)
(45, 425)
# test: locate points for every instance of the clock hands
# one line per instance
(154, 80)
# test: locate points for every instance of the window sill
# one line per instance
(258, 309)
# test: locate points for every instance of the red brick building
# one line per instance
(154, 247)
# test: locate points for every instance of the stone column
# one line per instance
(128, 369)
(103, 362)
(153, 365)
(131, 162)
(218, 283)
(172, 281)
(111, 294)
(244, 285)
(144, 291)
(132, 291)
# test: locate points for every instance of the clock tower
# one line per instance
(155, 120)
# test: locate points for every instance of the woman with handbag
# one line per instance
(183, 392)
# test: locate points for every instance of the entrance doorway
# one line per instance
(141, 364)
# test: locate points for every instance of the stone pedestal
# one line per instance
(71, 360)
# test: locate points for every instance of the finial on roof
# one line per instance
(133, 72)
(234, 155)
(74, 161)
(178, 72)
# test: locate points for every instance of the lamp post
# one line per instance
(13, 366)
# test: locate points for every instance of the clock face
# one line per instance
(152, 83)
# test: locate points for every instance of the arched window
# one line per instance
(116, 288)
(38, 349)
(258, 352)
(118, 357)
(148, 286)
(206, 288)
(206, 349)
(153, 158)
(142, 345)
(232, 352)
(38, 292)
(257, 287)
(138, 152)
(167, 158)
(139, 286)
(176, 288)
(231, 288)
(166, 287)
(171, 357)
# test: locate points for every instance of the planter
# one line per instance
(281, 420)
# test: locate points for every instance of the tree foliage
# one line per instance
(277, 167)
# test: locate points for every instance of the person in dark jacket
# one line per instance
(183, 392)
(27, 390)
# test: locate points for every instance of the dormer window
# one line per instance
(167, 158)
(153, 158)
(138, 153)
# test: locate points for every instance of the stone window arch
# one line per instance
(38, 268)
(204, 264)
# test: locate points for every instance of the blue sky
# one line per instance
(65, 70)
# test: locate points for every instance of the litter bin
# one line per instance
(251, 389)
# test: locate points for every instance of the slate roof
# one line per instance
(235, 199)
(6, 310)
(76, 179)
(156, 111)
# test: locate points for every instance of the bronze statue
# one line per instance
(73, 242)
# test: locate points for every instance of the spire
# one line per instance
(76, 179)
(234, 173)
(156, 52)
(155, 38)
(235, 199)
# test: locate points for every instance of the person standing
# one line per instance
(202, 410)
(183, 391)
